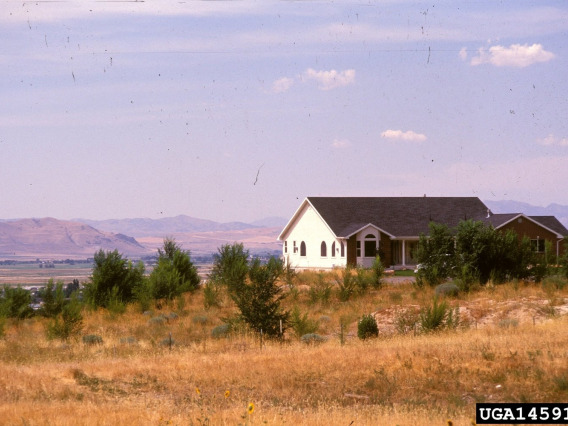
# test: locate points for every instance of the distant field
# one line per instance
(32, 275)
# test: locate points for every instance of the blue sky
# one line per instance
(239, 110)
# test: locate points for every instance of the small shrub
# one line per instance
(159, 320)
(561, 382)
(301, 324)
(130, 340)
(395, 297)
(347, 285)
(200, 319)
(324, 319)
(367, 327)
(2, 325)
(68, 323)
(447, 289)
(221, 331)
(312, 338)
(321, 291)
(508, 323)
(406, 321)
(92, 339)
(555, 282)
(363, 279)
(212, 295)
(438, 316)
(168, 342)
(378, 271)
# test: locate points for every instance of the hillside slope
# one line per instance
(53, 237)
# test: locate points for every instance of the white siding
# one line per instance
(312, 230)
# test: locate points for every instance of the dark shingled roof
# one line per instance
(497, 220)
(551, 223)
(398, 216)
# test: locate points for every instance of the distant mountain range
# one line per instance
(143, 227)
(505, 206)
(49, 237)
(138, 237)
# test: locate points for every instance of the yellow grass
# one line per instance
(395, 379)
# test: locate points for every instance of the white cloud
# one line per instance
(282, 85)
(341, 143)
(404, 136)
(514, 56)
(553, 140)
(463, 53)
(332, 79)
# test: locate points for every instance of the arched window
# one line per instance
(370, 245)
(333, 249)
(302, 248)
(323, 249)
(342, 249)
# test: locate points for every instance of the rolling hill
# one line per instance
(58, 238)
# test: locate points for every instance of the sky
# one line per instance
(238, 110)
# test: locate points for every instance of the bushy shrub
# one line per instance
(200, 319)
(211, 295)
(447, 289)
(438, 316)
(168, 342)
(130, 340)
(347, 285)
(221, 331)
(367, 327)
(113, 277)
(174, 274)
(53, 299)
(301, 324)
(312, 338)
(67, 324)
(508, 323)
(406, 320)
(92, 339)
(320, 291)
(378, 271)
(16, 303)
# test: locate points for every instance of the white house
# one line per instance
(327, 232)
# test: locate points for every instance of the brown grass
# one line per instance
(396, 379)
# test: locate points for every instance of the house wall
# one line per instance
(312, 230)
(524, 227)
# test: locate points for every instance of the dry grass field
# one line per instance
(512, 347)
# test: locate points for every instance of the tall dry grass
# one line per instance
(133, 378)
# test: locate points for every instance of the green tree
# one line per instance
(53, 299)
(68, 323)
(113, 277)
(435, 255)
(16, 303)
(174, 274)
(230, 266)
(259, 299)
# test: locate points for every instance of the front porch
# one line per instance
(403, 253)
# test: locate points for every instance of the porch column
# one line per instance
(403, 252)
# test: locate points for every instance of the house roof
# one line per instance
(548, 222)
(552, 223)
(397, 216)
